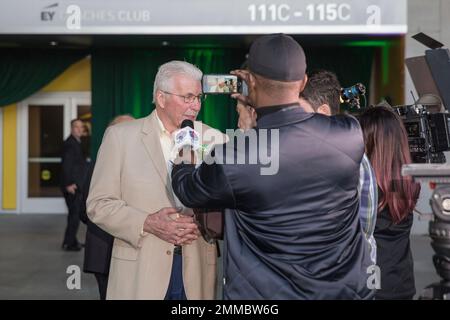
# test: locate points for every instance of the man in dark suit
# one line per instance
(291, 226)
(74, 169)
(99, 243)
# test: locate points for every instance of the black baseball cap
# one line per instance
(277, 57)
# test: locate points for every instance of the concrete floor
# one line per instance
(32, 265)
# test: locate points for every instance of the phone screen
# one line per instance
(220, 84)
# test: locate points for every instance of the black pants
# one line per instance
(74, 204)
(102, 281)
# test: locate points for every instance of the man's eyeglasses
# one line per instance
(190, 98)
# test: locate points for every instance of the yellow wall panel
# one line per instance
(76, 78)
(9, 196)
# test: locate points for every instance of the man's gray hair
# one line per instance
(170, 69)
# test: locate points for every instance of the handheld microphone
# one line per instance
(187, 123)
(186, 136)
(185, 139)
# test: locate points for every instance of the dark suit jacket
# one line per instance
(74, 164)
(99, 243)
(295, 234)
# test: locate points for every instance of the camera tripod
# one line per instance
(439, 230)
(439, 226)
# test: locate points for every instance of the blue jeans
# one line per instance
(175, 291)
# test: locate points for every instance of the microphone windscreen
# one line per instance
(187, 123)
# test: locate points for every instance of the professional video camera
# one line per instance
(428, 134)
(428, 131)
(427, 120)
(351, 95)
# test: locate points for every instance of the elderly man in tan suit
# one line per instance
(157, 244)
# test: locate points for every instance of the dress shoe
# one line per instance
(75, 247)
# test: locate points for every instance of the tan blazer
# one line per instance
(131, 180)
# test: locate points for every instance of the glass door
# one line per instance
(45, 124)
(45, 137)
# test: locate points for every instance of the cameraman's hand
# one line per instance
(185, 156)
(245, 76)
(247, 116)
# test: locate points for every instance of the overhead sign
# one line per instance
(203, 16)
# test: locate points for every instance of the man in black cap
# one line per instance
(294, 234)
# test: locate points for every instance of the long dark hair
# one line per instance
(387, 148)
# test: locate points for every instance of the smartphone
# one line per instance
(223, 84)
